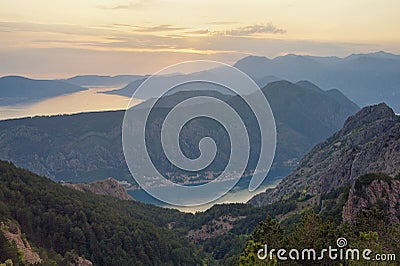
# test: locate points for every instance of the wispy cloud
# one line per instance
(198, 32)
(129, 5)
(51, 28)
(159, 28)
(221, 22)
(253, 30)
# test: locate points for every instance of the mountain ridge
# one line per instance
(84, 147)
(18, 89)
(367, 143)
(365, 79)
(107, 187)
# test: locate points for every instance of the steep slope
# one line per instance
(369, 142)
(12, 233)
(86, 147)
(15, 89)
(305, 115)
(103, 229)
(81, 148)
(365, 78)
(378, 191)
(344, 189)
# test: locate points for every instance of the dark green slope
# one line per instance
(305, 115)
(104, 230)
(61, 222)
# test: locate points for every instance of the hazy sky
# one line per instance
(60, 38)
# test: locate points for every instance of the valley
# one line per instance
(335, 174)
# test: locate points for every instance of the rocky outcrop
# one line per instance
(369, 142)
(374, 190)
(12, 233)
(108, 187)
(79, 261)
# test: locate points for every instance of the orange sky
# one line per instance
(59, 38)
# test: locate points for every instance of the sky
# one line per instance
(63, 38)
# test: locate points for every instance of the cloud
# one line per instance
(129, 5)
(221, 22)
(145, 29)
(52, 28)
(159, 28)
(253, 30)
(198, 32)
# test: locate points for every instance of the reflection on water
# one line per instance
(83, 101)
(240, 193)
(236, 196)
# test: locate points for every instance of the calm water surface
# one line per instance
(83, 101)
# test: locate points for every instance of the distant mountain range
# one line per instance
(364, 78)
(131, 88)
(102, 81)
(85, 147)
(17, 90)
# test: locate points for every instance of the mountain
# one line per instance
(128, 89)
(17, 90)
(61, 223)
(81, 148)
(102, 81)
(364, 78)
(368, 143)
(159, 82)
(131, 88)
(87, 147)
(347, 188)
(108, 187)
(305, 115)
(48, 222)
(64, 226)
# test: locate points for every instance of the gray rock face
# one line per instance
(382, 193)
(369, 142)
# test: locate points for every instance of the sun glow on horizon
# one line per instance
(125, 34)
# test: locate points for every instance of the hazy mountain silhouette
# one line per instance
(98, 80)
(131, 88)
(16, 89)
(87, 146)
(364, 78)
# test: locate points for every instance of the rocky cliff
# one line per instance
(378, 191)
(13, 234)
(109, 187)
(369, 142)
